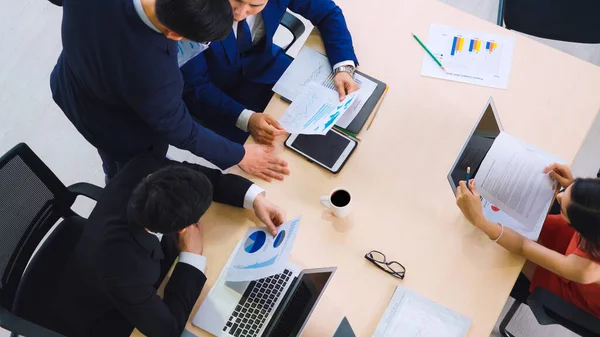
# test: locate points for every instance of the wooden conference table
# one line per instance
(402, 203)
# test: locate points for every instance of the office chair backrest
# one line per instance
(565, 20)
(32, 200)
(37, 292)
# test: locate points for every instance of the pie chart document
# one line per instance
(260, 254)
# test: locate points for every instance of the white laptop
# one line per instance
(279, 305)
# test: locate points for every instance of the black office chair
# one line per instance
(294, 25)
(571, 21)
(32, 201)
(550, 309)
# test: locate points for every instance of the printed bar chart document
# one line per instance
(412, 315)
(469, 56)
(515, 190)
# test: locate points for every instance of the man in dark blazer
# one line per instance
(148, 215)
(228, 83)
(118, 81)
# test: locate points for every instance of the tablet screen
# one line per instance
(324, 149)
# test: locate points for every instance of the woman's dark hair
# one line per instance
(196, 20)
(584, 214)
(170, 199)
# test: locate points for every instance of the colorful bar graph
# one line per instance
(461, 42)
(493, 46)
(487, 46)
(478, 45)
(471, 45)
(453, 46)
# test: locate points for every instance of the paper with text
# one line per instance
(312, 66)
(315, 111)
(469, 56)
(262, 255)
(412, 315)
(511, 179)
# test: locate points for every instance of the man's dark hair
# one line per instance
(584, 214)
(196, 20)
(170, 199)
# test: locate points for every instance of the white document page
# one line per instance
(262, 255)
(312, 66)
(511, 178)
(315, 111)
(469, 56)
(411, 315)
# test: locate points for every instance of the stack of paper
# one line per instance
(515, 190)
(411, 315)
(312, 67)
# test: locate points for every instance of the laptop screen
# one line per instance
(298, 304)
(479, 143)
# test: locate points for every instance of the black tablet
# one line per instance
(330, 151)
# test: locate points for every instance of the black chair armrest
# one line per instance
(22, 327)
(549, 308)
(294, 25)
(87, 190)
(56, 2)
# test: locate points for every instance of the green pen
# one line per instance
(429, 52)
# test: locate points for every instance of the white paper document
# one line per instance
(311, 66)
(260, 254)
(469, 56)
(315, 110)
(412, 315)
(515, 190)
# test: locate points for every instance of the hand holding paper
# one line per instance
(315, 111)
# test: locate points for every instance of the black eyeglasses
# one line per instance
(391, 267)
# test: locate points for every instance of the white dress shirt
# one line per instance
(198, 261)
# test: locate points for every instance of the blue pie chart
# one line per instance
(255, 242)
(279, 239)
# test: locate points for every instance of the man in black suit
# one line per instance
(147, 216)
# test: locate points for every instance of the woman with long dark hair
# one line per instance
(566, 258)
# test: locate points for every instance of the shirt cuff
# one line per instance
(242, 121)
(251, 194)
(344, 63)
(194, 260)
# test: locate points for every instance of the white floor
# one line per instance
(30, 44)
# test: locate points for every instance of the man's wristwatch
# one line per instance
(346, 69)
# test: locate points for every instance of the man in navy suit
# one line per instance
(118, 81)
(230, 81)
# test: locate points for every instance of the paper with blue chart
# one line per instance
(311, 66)
(259, 254)
(187, 50)
(315, 111)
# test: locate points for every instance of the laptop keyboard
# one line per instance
(257, 303)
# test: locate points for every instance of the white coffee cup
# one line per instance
(338, 201)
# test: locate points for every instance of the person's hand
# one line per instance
(344, 84)
(271, 215)
(264, 129)
(469, 202)
(258, 161)
(191, 239)
(561, 174)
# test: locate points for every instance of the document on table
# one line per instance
(259, 254)
(311, 66)
(315, 110)
(469, 56)
(511, 180)
(412, 315)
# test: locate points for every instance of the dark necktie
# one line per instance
(244, 37)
